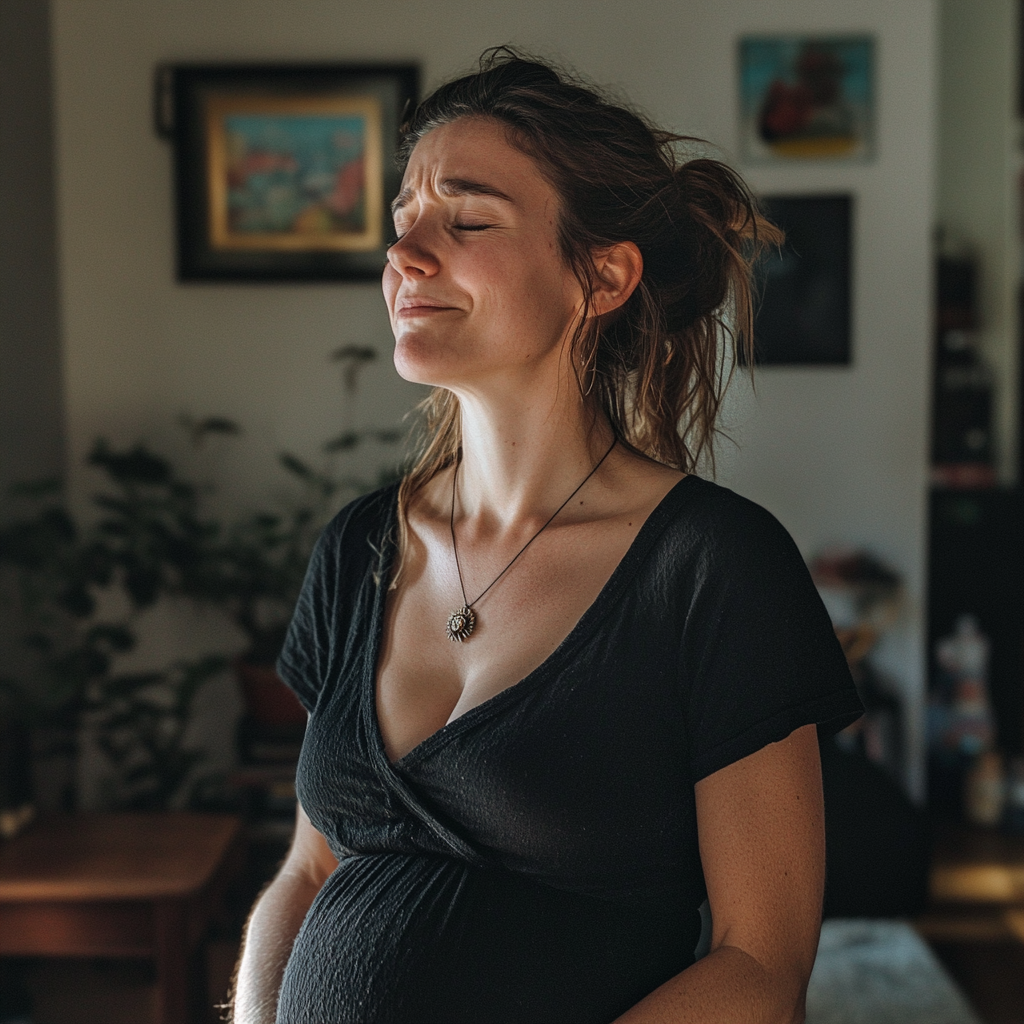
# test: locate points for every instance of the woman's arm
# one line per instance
(275, 921)
(762, 844)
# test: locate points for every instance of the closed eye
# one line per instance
(394, 239)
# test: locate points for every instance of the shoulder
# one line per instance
(346, 553)
(719, 526)
(757, 649)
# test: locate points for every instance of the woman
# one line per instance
(560, 689)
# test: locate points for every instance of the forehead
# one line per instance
(474, 149)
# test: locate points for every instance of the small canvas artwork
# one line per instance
(806, 98)
(294, 173)
(805, 292)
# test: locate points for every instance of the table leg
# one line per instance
(172, 963)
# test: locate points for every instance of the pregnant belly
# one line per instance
(401, 939)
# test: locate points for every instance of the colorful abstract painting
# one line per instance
(806, 98)
(295, 173)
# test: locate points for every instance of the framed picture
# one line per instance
(284, 172)
(805, 293)
(806, 98)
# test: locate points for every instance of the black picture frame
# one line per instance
(284, 172)
(805, 291)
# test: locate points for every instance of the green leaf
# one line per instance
(216, 425)
(130, 683)
(353, 358)
(117, 637)
(137, 465)
(143, 585)
(296, 466)
(39, 642)
(354, 354)
(77, 600)
(343, 442)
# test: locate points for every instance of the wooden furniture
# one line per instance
(119, 885)
(976, 886)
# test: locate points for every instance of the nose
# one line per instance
(413, 255)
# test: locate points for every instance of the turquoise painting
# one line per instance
(806, 98)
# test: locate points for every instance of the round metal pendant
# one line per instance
(460, 624)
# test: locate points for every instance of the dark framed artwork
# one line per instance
(805, 290)
(284, 172)
(806, 98)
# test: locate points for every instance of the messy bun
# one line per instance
(658, 368)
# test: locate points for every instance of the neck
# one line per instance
(522, 458)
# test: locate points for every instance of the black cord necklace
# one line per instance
(462, 622)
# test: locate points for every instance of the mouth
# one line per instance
(415, 305)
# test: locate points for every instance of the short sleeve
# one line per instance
(337, 567)
(759, 652)
(306, 654)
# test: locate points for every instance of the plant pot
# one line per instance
(267, 699)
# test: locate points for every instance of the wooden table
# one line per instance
(976, 888)
(119, 885)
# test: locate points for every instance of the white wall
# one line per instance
(31, 395)
(977, 184)
(837, 454)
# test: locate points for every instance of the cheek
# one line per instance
(533, 284)
(390, 280)
(550, 291)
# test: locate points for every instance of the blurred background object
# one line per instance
(16, 800)
(976, 634)
(806, 288)
(864, 598)
(963, 452)
(876, 839)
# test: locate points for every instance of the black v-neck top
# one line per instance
(536, 859)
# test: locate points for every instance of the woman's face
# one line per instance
(477, 290)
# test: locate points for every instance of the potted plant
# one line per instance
(150, 539)
(253, 567)
(58, 577)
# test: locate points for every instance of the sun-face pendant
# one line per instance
(460, 624)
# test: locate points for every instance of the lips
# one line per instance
(419, 305)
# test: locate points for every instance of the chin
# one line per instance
(421, 363)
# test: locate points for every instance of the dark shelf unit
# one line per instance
(976, 566)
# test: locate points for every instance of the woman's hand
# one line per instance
(275, 921)
(762, 844)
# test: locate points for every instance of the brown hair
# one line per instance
(657, 369)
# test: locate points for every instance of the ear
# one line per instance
(617, 272)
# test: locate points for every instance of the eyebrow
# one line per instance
(453, 187)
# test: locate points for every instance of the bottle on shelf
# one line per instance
(985, 791)
(962, 449)
(963, 658)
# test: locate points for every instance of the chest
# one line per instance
(565, 777)
(424, 679)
